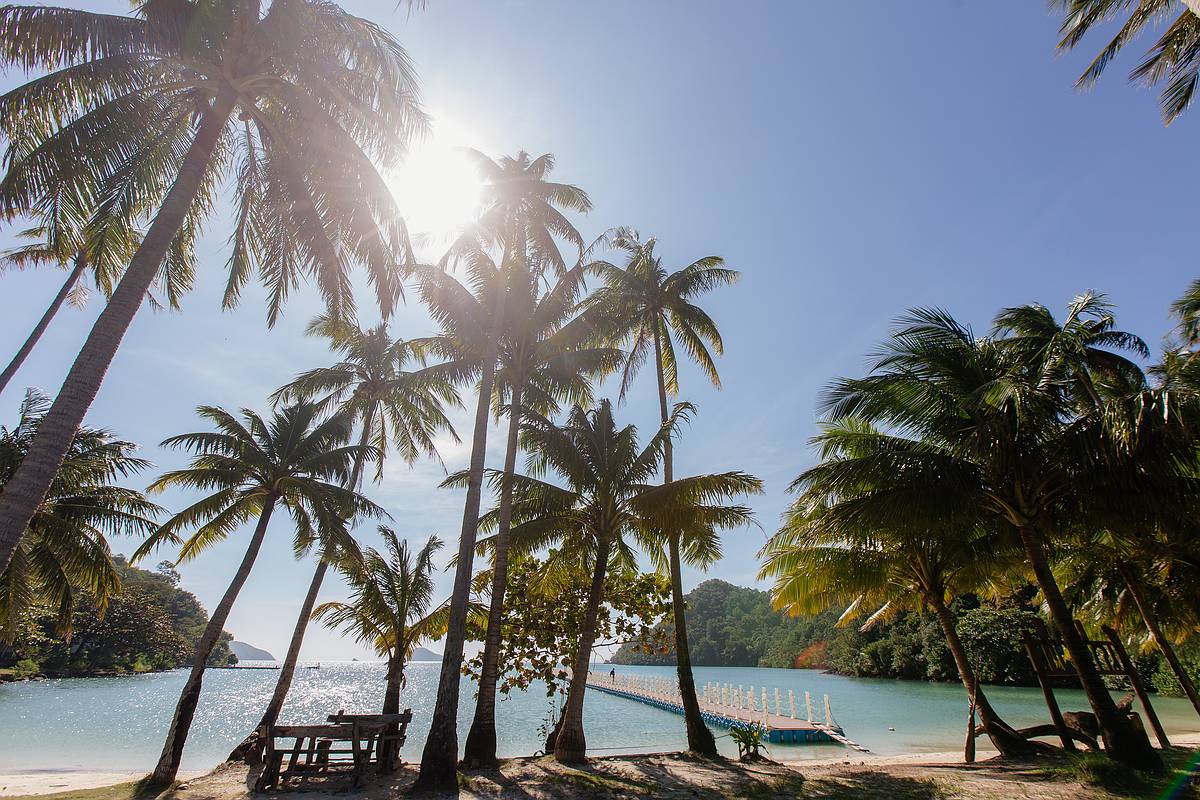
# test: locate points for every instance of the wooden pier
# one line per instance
(728, 706)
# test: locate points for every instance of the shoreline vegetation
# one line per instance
(916, 776)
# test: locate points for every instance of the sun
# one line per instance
(437, 187)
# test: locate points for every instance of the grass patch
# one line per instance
(1181, 778)
(598, 781)
(876, 785)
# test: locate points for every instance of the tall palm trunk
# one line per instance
(570, 745)
(440, 756)
(40, 328)
(1121, 741)
(480, 749)
(1006, 740)
(251, 748)
(29, 484)
(181, 723)
(700, 738)
(1164, 644)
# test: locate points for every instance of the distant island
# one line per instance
(248, 652)
(421, 654)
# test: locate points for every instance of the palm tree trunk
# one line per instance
(1121, 741)
(1164, 644)
(1006, 740)
(440, 757)
(700, 738)
(181, 722)
(29, 484)
(570, 746)
(393, 684)
(40, 328)
(252, 747)
(480, 749)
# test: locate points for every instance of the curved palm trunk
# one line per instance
(1121, 741)
(480, 749)
(32, 479)
(1164, 644)
(40, 328)
(252, 747)
(1006, 740)
(700, 738)
(168, 763)
(439, 758)
(570, 745)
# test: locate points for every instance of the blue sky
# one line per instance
(852, 159)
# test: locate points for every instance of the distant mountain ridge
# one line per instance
(248, 652)
(421, 654)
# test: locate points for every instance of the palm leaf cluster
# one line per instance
(65, 551)
(962, 463)
(1173, 61)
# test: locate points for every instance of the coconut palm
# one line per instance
(515, 237)
(1118, 579)
(66, 551)
(394, 409)
(1174, 60)
(1079, 353)
(609, 507)
(143, 115)
(968, 418)
(295, 461)
(388, 609)
(820, 557)
(646, 307)
(544, 358)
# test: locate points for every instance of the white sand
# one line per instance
(49, 781)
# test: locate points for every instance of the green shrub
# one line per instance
(26, 668)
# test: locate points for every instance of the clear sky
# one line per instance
(851, 159)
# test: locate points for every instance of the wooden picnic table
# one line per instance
(364, 739)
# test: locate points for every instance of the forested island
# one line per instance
(150, 624)
(734, 626)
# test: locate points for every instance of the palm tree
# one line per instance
(393, 408)
(648, 308)
(606, 509)
(821, 556)
(521, 220)
(1079, 352)
(969, 419)
(295, 461)
(544, 358)
(146, 113)
(55, 241)
(390, 594)
(1122, 580)
(66, 550)
(1174, 58)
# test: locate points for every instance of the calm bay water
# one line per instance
(119, 723)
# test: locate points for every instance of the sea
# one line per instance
(118, 723)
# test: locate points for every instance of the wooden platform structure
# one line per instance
(728, 706)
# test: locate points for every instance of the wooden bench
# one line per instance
(348, 740)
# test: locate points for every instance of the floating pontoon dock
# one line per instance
(728, 706)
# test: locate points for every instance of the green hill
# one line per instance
(152, 624)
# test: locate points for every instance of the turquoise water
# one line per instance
(118, 723)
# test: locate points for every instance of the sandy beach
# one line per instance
(932, 775)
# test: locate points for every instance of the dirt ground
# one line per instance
(678, 775)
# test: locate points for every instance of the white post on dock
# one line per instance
(777, 712)
(808, 705)
(764, 700)
(828, 713)
(792, 703)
